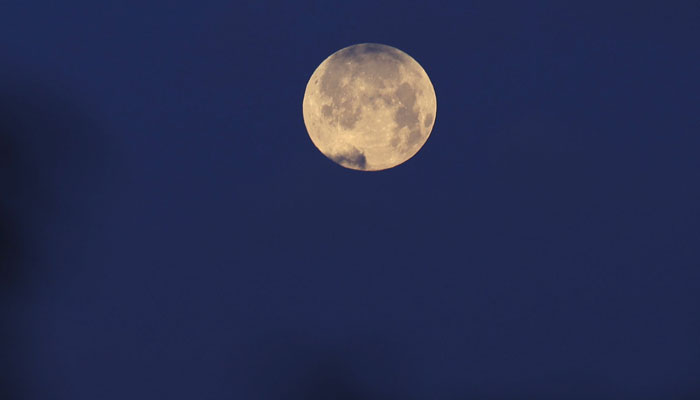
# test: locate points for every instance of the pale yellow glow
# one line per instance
(369, 107)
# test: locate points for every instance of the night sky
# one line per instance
(169, 231)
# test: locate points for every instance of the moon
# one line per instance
(369, 107)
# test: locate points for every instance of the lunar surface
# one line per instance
(369, 107)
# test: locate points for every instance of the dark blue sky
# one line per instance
(169, 231)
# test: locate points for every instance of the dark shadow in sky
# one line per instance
(49, 150)
(9, 242)
(290, 367)
(330, 380)
(295, 367)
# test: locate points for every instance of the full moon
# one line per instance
(369, 107)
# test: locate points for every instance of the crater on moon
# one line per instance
(369, 107)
